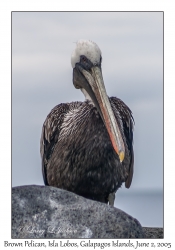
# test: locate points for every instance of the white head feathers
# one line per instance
(88, 49)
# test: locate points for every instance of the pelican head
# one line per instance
(87, 75)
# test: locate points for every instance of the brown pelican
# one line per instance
(87, 147)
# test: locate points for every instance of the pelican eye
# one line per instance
(85, 62)
(84, 59)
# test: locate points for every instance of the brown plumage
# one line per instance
(78, 151)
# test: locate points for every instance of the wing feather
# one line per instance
(50, 134)
(127, 120)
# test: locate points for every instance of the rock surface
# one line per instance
(153, 232)
(48, 212)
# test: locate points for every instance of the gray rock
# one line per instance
(48, 212)
(153, 232)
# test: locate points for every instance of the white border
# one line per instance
(5, 93)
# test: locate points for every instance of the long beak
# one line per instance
(95, 80)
